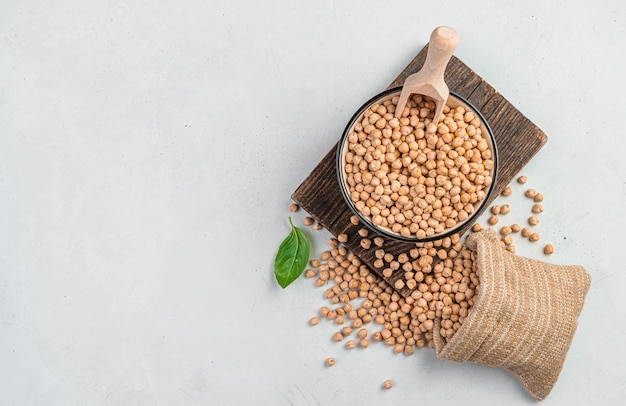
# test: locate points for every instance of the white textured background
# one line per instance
(148, 151)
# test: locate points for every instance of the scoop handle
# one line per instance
(443, 42)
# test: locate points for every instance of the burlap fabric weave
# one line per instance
(524, 317)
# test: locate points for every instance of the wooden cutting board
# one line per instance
(517, 140)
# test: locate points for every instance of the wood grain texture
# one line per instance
(517, 140)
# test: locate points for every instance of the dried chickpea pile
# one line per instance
(415, 175)
(442, 273)
(447, 291)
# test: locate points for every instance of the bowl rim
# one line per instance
(388, 233)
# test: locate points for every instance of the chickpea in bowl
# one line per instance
(413, 178)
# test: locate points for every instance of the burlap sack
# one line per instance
(524, 317)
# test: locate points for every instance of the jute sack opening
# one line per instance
(524, 316)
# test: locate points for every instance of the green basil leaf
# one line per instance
(292, 256)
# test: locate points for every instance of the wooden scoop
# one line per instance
(429, 80)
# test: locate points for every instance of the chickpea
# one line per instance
(526, 232)
(505, 209)
(308, 221)
(476, 227)
(507, 191)
(495, 210)
(548, 249)
(533, 220)
(343, 237)
(329, 362)
(506, 230)
(314, 321)
(493, 220)
(534, 237)
(538, 198)
(515, 228)
(531, 193)
(354, 220)
(387, 384)
(537, 208)
(294, 208)
(350, 344)
(366, 243)
(522, 179)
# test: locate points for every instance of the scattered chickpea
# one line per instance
(505, 209)
(515, 228)
(330, 362)
(363, 232)
(522, 179)
(366, 243)
(314, 321)
(399, 284)
(538, 198)
(493, 220)
(507, 240)
(534, 237)
(343, 237)
(294, 208)
(510, 248)
(387, 384)
(406, 323)
(537, 208)
(310, 273)
(495, 209)
(531, 193)
(533, 220)
(507, 191)
(315, 263)
(548, 249)
(379, 241)
(308, 221)
(506, 230)
(526, 232)
(476, 227)
(354, 220)
(362, 333)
